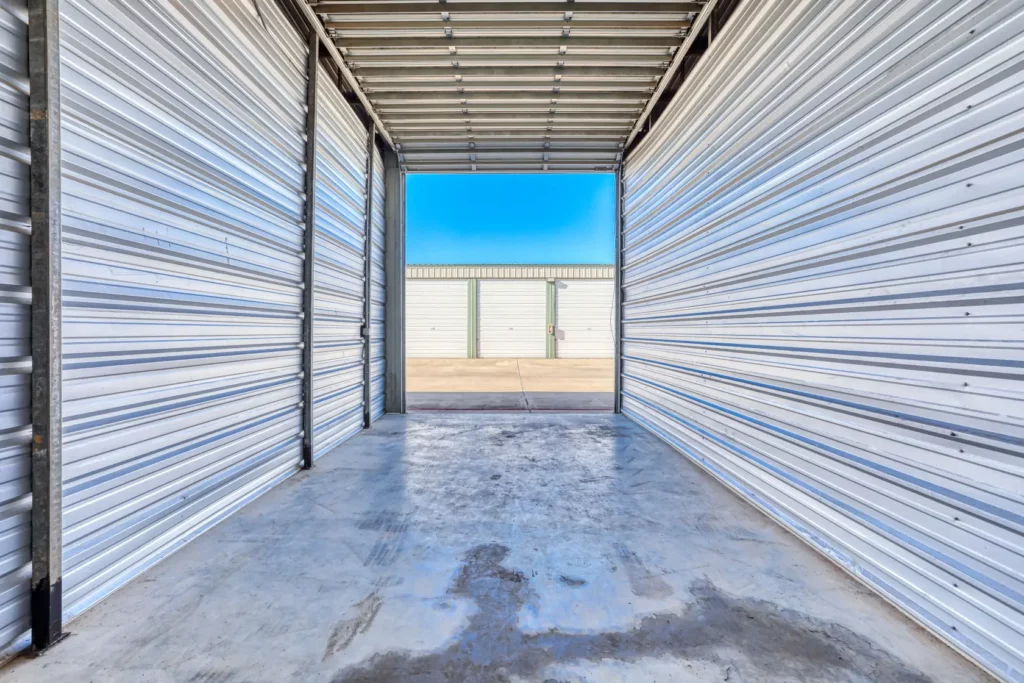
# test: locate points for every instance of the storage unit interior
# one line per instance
(814, 468)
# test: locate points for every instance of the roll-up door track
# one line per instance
(811, 464)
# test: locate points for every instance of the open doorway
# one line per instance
(510, 292)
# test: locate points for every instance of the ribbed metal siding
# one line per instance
(508, 272)
(183, 149)
(823, 254)
(15, 353)
(513, 318)
(377, 291)
(585, 320)
(436, 315)
(338, 271)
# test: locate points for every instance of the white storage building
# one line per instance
(499, 311)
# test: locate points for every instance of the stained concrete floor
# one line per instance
(492, 548)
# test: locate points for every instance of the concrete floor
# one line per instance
(487, 548)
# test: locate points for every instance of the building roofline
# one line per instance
(517, 271)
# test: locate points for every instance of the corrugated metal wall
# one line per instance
(436, 315)
(338, 272)
(508, 272)
(584, 318)
(15, 353)
(377, 290)
(183, 148)
(824, 239)
(512, 318)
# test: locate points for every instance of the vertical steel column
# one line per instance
(619, 298)
(45, 205)
(394, 276)
(308, 282)
(549, 340)
(367, 275)
(472, 309)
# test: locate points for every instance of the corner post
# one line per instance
(618, 294)
(45, 250)
(368, 278)
(394, 276)
(309, 260)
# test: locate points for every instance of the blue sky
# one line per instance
(492, 218)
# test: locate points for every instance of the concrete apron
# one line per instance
(558, 401)
(495, 384)
(497, 548)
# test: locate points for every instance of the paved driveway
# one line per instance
(510, 384)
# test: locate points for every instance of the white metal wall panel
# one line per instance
(15, 352)
(584, 318)
(338, 272)
(824, 240)
(377, 291)
(513, 318)
(436, 315)
(183, 146)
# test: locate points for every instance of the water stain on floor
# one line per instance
(756, 639)
(346, 630)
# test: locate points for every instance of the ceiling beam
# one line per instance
(433, 152)
(499, 42)
(508, 61)
(450, 95)
(539, 127)
(615, 136)
(698, 24)
(508, 86)
(506, 8)
(567, 71)
(371, 25)
(439, 117)
(433, 110)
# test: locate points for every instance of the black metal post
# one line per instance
(308, 282)
(45, 198)
(367, 277)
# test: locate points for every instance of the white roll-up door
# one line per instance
(377, 291)
(513, 318)
(824, 240)
(183, 148)
(584, 318)
(338, 274)
(436, 315)
(15, 310)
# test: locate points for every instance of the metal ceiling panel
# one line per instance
(433, 71)
(823, 247)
